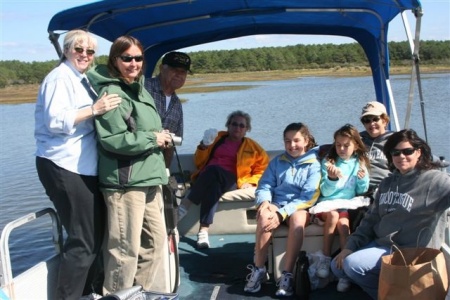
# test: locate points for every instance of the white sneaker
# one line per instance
(92, 296)
(343, 285)
(323, 268)
(285, 285)
(202, 239)
(255, 278)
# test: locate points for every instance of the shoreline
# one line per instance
(27, 93)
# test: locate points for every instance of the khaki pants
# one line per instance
(135, 237)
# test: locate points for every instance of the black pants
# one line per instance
(81, 209)
(210, 185)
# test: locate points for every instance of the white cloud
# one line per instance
(8, 44)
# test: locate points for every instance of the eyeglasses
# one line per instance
(405, 152)
(127, 58)
(81, 50)
(240, 125)
(367, 120)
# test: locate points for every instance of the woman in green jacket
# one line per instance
(131, 170)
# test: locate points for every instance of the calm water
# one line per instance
(324, 104)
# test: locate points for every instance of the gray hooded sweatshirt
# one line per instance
(404, 205)
(378, 161)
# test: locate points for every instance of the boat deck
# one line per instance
(220, 271)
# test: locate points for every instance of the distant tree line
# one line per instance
(258, 59)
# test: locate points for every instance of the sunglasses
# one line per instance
(81, 50)
(405, 152)
(240, 125)
(367, 120)
(127, 58)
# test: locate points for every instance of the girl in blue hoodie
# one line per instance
(287, 188)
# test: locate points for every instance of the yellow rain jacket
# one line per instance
(252, 160)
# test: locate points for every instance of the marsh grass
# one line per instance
(27, 93)
(17, 94)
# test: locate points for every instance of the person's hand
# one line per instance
(163, 139)
(262, 208)
(106, 103)
(202, 146)
(246, 185)
(333, 171)
(270, 219)
(273, 220)
(361, 173)
(340, 258)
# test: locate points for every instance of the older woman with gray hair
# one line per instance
(66, 159)
(231, 161)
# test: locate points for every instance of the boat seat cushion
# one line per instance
(249, 194)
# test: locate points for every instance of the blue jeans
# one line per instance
(362, 267)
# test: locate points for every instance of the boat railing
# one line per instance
(7, 281)
(445, 248)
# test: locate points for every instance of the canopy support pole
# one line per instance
(415, 70)
(54, 37)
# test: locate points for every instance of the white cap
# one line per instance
(373, 108)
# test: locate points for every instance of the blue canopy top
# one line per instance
(165, 25)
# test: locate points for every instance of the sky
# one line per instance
(23, 25)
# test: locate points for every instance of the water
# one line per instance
(323, 103)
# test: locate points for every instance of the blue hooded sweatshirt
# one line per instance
(346, 187)
(290, 183)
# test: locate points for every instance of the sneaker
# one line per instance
(181, 212)
(343, 285)
(323, 268)
(202, 239)
(255, 278)
(285, 285)
(92, 296)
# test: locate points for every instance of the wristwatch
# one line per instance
(94, 112)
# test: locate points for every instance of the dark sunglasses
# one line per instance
(81, 50)
(405, 152)
(367, 120)
(127, 59)
(240, 125)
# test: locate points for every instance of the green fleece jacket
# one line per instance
(128, 153)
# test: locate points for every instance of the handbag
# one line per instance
(413, 273)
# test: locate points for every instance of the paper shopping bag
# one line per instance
(413, 273)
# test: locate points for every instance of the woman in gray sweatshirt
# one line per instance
(415, 196)
(375, 119)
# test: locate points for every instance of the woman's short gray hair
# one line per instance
(239, 113)
(74, 37)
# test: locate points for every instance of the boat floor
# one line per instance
(220, 272)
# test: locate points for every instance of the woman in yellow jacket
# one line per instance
(231, 161)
